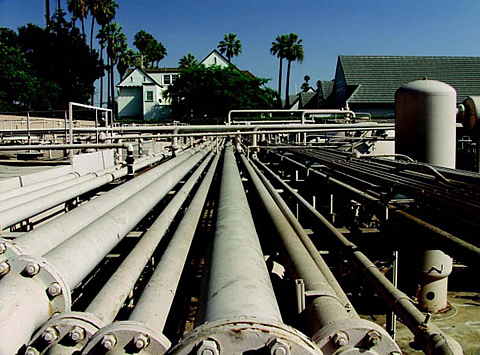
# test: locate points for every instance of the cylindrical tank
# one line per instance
(432, 295)
(425, 127)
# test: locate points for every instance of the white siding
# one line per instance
(130, 102)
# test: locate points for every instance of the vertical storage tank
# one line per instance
(425, 122)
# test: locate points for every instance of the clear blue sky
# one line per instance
(328, 28)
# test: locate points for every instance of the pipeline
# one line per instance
(332, 328)
(46, 237)
(34, 288)
(432, 340)
(144, 328)
(241, 313)
(78, 327)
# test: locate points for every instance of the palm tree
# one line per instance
(293, 53)
(146, 44)
(278, 49)
(47, 13)
(230, 45)
(157, 52)
(187, 61)
(116, 45)
(103, 12)
(102, 40)
(125, 61)
(78, 9)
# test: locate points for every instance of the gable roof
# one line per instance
(378, 77)
(131, 71)
(216, 53)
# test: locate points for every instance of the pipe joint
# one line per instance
(131, 336)
(73, 331)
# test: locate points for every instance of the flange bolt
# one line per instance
(77, 334)
(279, 347)
(4, 268)
(31, 351)
(340, 338)
(54, 289)
(208, 347)
(50, 335)
(141, 341)
(109, 341)
(373, 338)
(32, 269)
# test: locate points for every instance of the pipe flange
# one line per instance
(43, 272)
(70, 329)
(127, 337)
(8, 249)
(355, 336)
(240, 335)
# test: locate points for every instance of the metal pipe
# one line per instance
(330, 323)
(75, 258)
(303, 112)
(431, 338)
(110, 299)
(236, 256)
(307, 242)
(46, 237)
(162, 286)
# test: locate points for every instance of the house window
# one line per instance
(149, 96)
(167, 79)
(174, 77)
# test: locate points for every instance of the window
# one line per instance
(167, 79)
(149, 96)
(174, 77)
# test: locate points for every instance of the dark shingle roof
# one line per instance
(378, 77)
(327, 88)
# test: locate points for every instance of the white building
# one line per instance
(140, 92)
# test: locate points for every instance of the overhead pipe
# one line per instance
(241, 313)
(144, 327)
(65, 266)
(332, 328)
(431, 339)
(76, 328)
(303, 112)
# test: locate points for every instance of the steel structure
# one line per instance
(120, 273)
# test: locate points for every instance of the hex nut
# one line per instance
(50, 335)
(208, 347)
(141, 341)
(4, 268)
(279, 347)
(340, 338)
(77, 334)
(54, 289)
(32, 269)
(31, 351)
(109, 341)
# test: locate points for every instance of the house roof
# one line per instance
(217, 53)
(378, 77)
(326, 88)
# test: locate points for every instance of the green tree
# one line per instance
(116, 46)
(79, 10)
(230, 46)
(305, 84)
(152, 50)
(293, 53)
(206, 93)
(126, 60)
(59, 57)
(279, 49)
(187, 61)
(157, 53)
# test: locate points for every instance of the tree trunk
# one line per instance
(47, 12)
(59, 5)
(83, 27)
(112, 86)
(287, 88)
(280, 78)
(91, 33)
(109, 104)
(101, 78)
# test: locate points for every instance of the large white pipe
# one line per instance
(75, 258)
